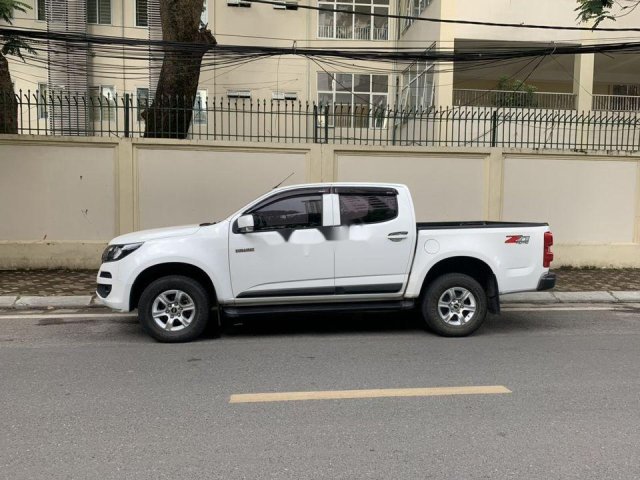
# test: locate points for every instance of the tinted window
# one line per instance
(367, 208)
(301, 211)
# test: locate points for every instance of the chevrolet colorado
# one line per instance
(323, 247)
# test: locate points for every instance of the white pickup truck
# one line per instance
(323, 247)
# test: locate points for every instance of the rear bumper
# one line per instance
(547, 282)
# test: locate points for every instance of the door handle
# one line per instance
(397, 236)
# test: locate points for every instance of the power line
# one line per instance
(231, 52)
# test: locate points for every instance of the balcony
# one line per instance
(353, 33)
(616, 103)
(512, 99)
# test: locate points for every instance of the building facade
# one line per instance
(585, 82)
(353, 91)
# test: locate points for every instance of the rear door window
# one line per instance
(364, 208)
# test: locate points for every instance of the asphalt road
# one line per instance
(89, 398)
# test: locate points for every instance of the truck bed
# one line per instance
(476, 224)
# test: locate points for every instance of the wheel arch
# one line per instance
(152, 273)
(467, 265)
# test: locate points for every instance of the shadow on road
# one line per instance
(383, 323)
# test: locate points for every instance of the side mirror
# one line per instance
(245, 224)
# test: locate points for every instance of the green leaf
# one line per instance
(7, 8)
(14, 45)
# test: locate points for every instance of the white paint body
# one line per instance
(263, 267)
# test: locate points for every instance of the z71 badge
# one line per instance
(519, 239)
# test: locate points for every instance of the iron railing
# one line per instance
(353, 32)
(622, 103)
(505, 98)
(305, 122)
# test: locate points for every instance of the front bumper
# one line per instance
(111, 291)
(547, 282)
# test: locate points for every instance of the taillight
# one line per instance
(547, 255)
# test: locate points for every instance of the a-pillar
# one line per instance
(583, 68)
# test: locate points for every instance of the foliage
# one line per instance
(515, 93)
(599, 10)
(13, 45)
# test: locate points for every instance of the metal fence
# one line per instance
(303, 122)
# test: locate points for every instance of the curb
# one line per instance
(615, 296)
(54, 301)
(90, 301)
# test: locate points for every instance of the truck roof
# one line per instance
(341, 184)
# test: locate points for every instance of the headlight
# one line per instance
(117, 252)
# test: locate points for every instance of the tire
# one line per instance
(174, 309)
(454, 305)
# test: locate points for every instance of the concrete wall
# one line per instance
(62, 199)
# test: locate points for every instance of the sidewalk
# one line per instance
(74, 289)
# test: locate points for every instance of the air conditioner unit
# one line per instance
(287, 5)
(238, 93)
(284, 95)
(238, 3)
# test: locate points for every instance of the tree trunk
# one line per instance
(8, 103)
(171, 111)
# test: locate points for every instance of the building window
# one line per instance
(142, 102)
(41, 100)
(204, 17)
(103, 103)
(361, 25)
(417, 86)
(411, 8)
(41, 10)
(200, 108)
(142, 19)
(353, 99)
(99, 12)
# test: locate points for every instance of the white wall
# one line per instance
(62, 199)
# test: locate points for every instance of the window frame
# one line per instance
(371, 191)
(423, 71)
(203, 113)
(98, 10)
(135, 15)
(41, 100)
(370, 94)
(38, 3)
(138, 104)
(301, 192)
(104, 110)
(351, 5)
(205, 14)
(411, 8)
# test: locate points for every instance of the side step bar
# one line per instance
(239, 311)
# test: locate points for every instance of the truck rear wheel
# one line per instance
(455, 305)
(174, 309)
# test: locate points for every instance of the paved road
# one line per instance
(92, 398)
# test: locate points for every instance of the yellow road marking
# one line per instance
(378, 393)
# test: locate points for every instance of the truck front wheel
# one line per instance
(174, 309)
(455, 305)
